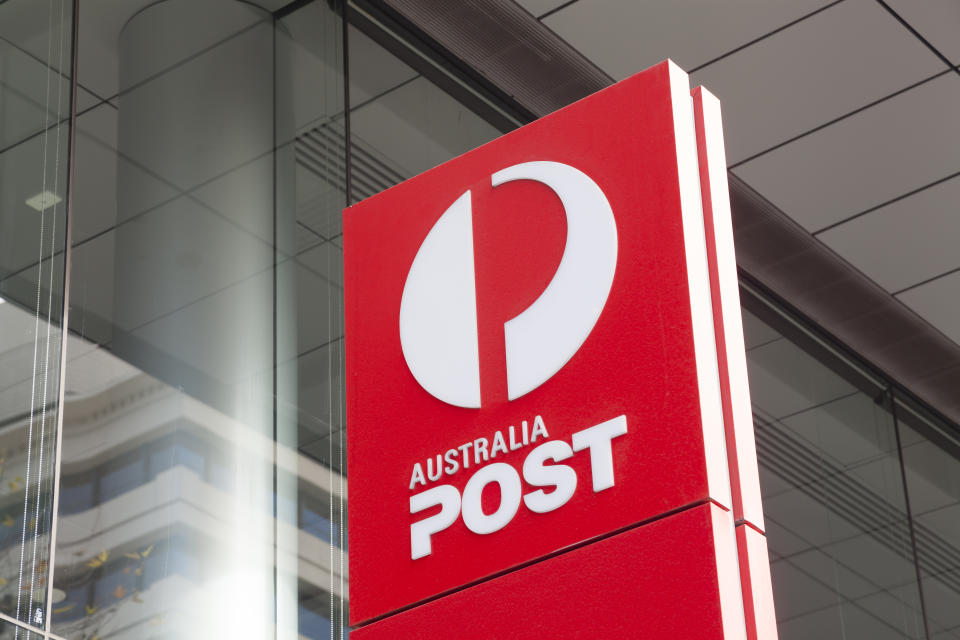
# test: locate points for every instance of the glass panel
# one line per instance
(35, 39)
(931, 456)
(9, 631)
(203, 375)
(841, 555)
(401, 123)
(311, 564)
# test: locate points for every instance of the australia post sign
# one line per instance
(549, 423)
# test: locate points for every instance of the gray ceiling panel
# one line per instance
(623, 38)
(937, 21)
(782, 86)
(866, 160)
(926, 226)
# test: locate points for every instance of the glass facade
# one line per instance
(35, 107)
(846, 497)
(181, 197)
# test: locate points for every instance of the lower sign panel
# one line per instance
(673, 578)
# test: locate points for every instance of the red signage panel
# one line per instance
(668, 579)
(530, 353)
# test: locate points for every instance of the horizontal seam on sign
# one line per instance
(529, 563)
(927, 281)
(764, 36)
(912, 192)
(838, 119)
(747, 523)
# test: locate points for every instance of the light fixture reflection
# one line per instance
(43, 200)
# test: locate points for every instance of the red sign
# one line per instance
(531, 357)
(560, 249)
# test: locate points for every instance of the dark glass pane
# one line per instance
(161, 455)
(209, 184)
(204, 428)
(837, 528)
(77, 493)
(402, 124)
(11, 632)
(931, 453)
(122, 475)
(189, 455)
(315, 611)
(316, 522)
(35, 96)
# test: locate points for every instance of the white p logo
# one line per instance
(438, 310)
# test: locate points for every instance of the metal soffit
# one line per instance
(522, 58)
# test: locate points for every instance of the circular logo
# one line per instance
(438, 309)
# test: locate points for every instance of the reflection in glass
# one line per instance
(34, 135)
(931, 456)
(401, 123)
(841, 553)
(201, 493)
(202, 489)
(10, 631)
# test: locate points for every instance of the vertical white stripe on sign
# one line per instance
(757, 585)
(728, 574)
(744, 475)
(698, 281)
